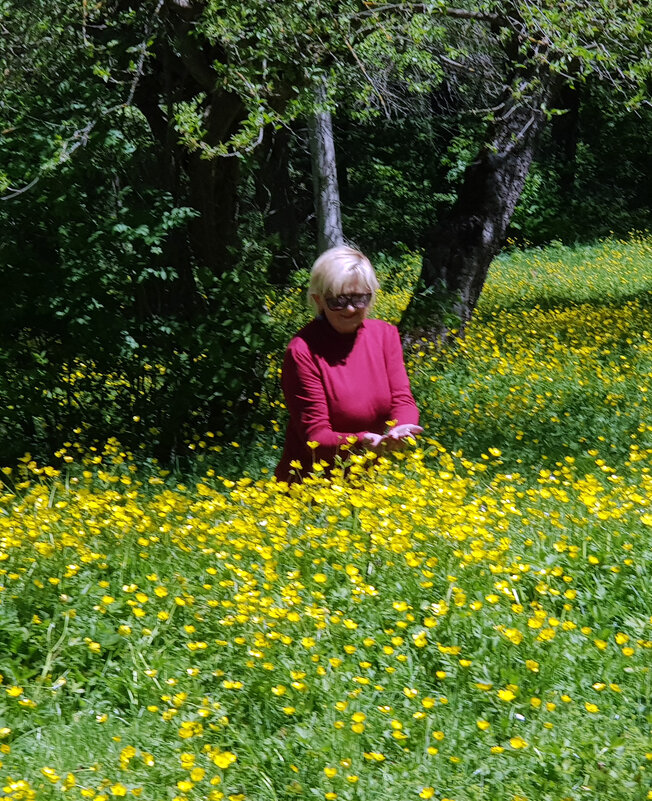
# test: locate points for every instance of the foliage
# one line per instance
(91, 340)
(100, 335)
(390, 192)
(590, 178)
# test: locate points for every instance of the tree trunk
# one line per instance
(183, 69)
(324, 175)
(278, 202)
(564, 134)
(460, 248)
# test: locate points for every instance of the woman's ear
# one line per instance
(318, 302)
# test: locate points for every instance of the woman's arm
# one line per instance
(305, 397)
(404, 409)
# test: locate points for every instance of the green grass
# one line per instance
(470, 620)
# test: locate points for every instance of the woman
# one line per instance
(343, 378)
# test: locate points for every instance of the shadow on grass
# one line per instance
(562, 302)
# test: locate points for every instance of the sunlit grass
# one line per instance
(470, 620)
(607, 272)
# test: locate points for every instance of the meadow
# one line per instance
(468, 620)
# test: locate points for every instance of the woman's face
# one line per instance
(348, 319)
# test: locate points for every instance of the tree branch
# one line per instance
(456, 64)
(366, 75)
(143, 54)
(16, 192)
(458, 13)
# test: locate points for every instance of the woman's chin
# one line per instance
(345, 325)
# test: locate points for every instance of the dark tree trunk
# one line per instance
(565, 133)
(276, 199)
(182, 70)
(460, 248)
(213, 186)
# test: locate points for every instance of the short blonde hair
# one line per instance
(336, 268)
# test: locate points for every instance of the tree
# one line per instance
(535, 48)
(324, 174)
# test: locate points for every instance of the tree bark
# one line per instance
(565, 134)
(278, 201)
(324, 175)
(459, 249)
(213, 185)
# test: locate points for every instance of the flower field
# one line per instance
(468, 620)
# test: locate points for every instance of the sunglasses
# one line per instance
(340, 302)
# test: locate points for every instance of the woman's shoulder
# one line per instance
(303, 341)
(380, 328)
(375, 322)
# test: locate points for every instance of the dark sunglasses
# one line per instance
(340, 302)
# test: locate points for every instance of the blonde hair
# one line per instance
(336, 268)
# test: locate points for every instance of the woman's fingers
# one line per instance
(406, 430)
(371, 439)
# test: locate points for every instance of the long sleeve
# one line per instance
(404, 409)
(305, 397)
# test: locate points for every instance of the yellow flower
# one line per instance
(374, 756)
(483, 725)
(224, 759)
(506, 695)
(518, 742)
(593, 708)
(427, 792)
(50, 774)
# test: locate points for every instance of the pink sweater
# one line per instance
(341, 385)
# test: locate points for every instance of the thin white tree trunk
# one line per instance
(324, 175)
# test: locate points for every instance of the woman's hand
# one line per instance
(393, 440)
(372, 441)
(396, 436)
